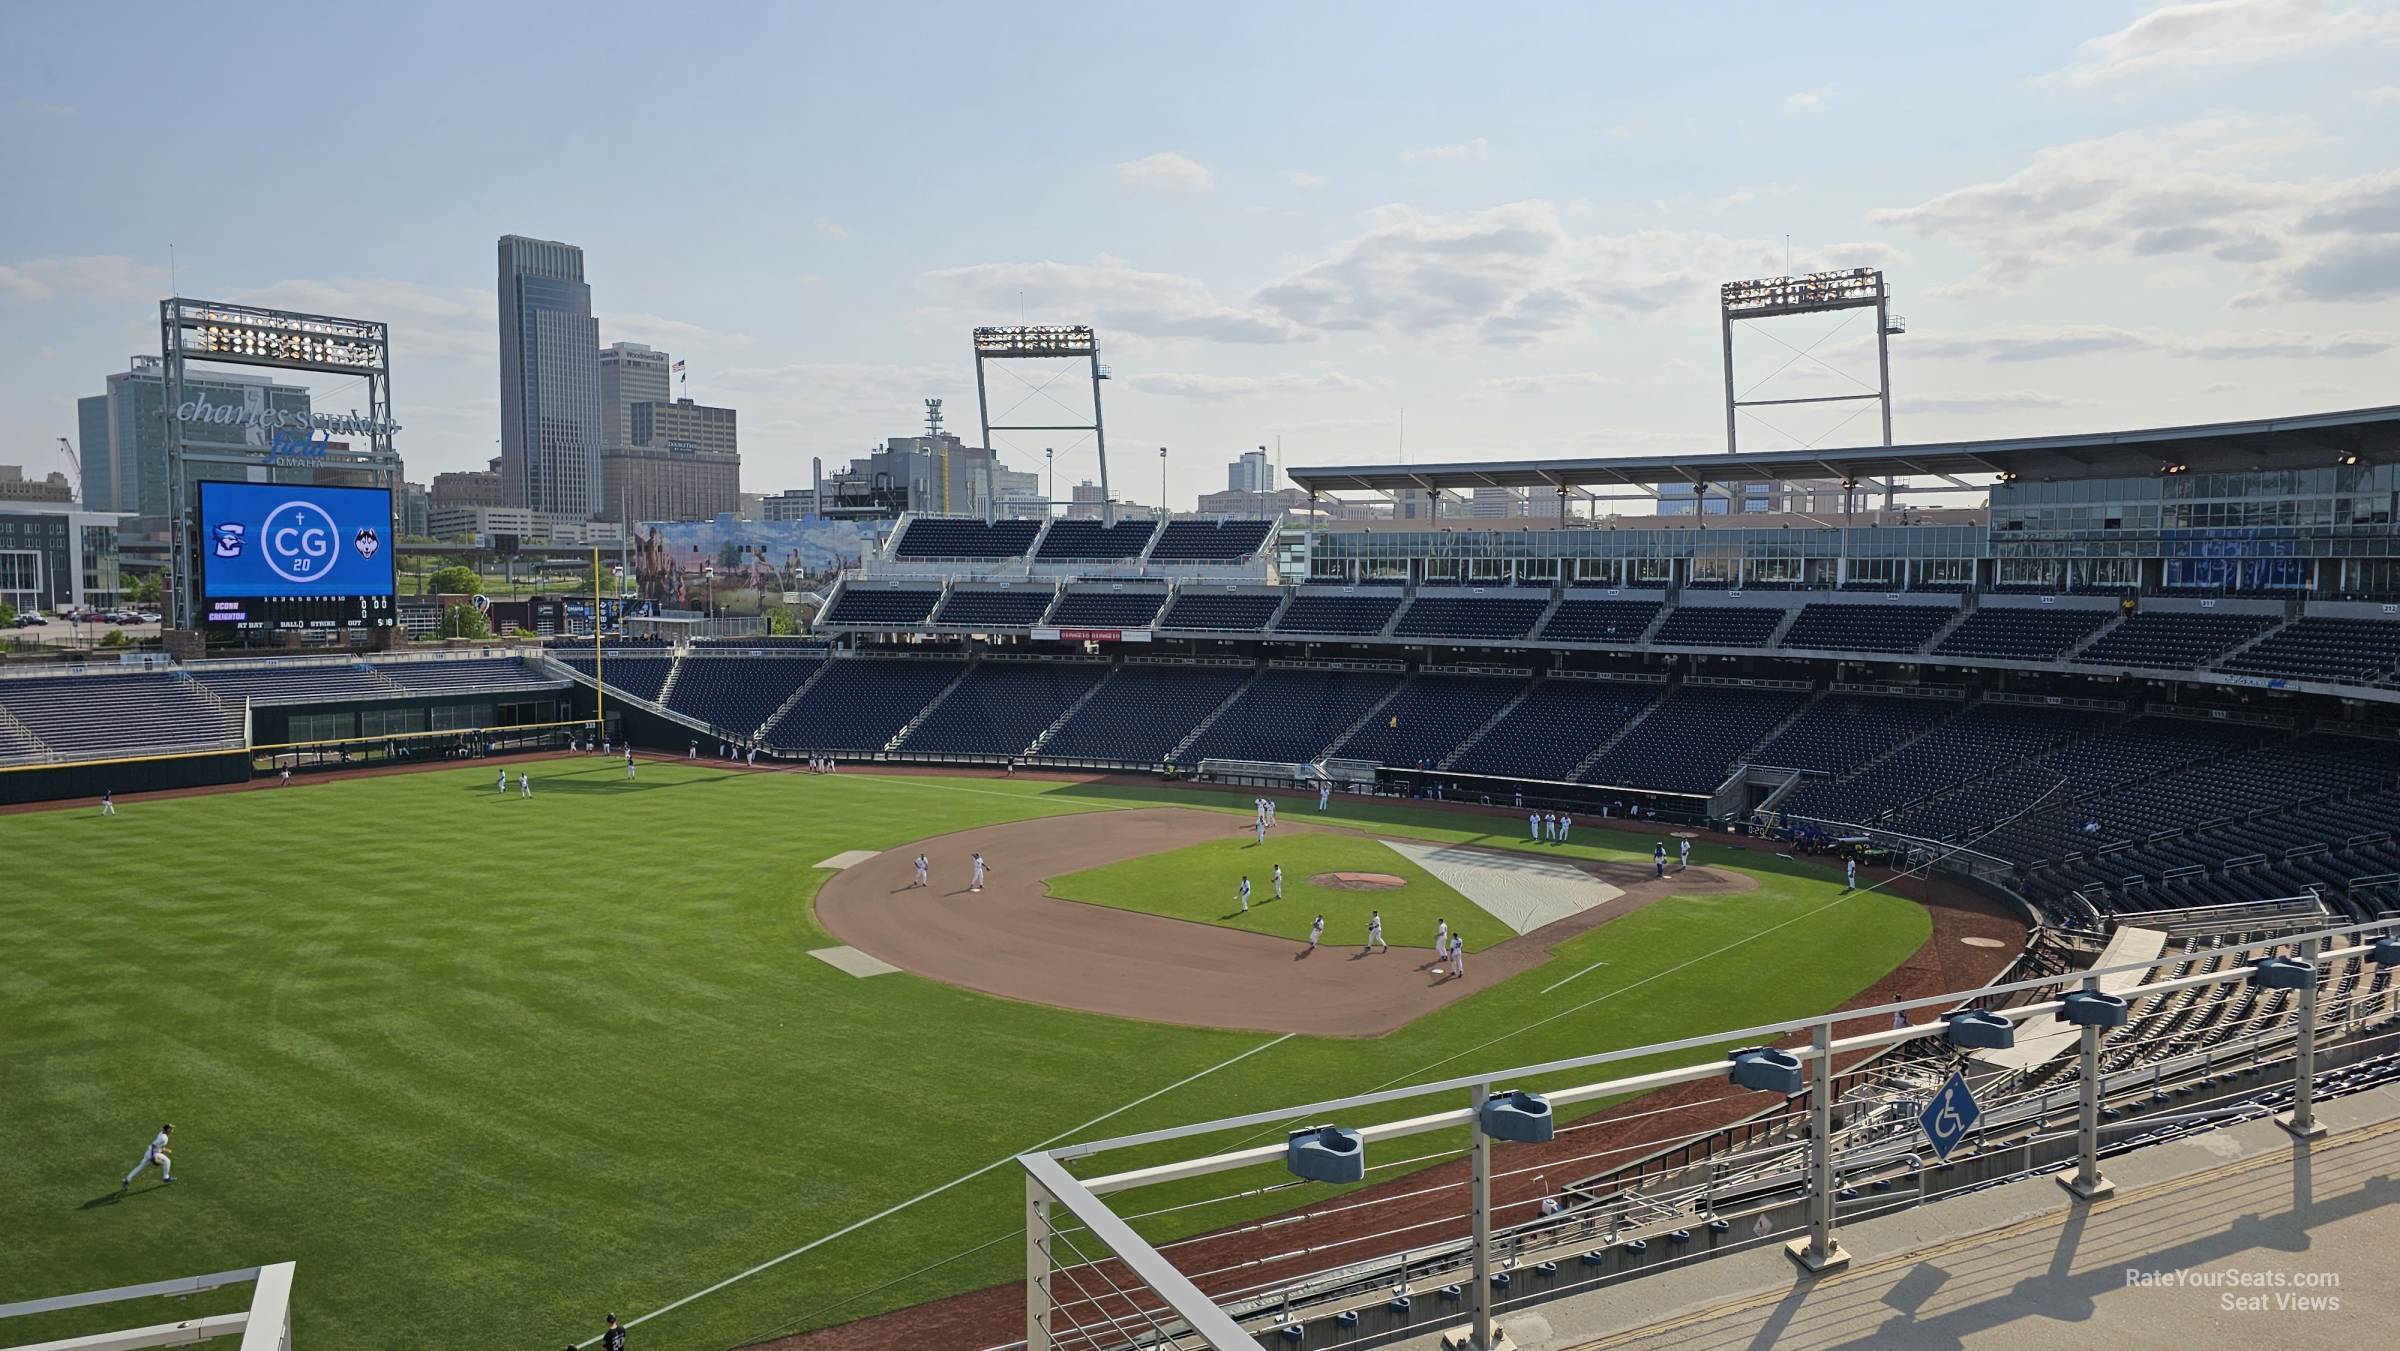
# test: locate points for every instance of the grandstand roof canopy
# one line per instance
(2288, 442)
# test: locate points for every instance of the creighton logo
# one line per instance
(229, 536)
(366, 541)
(300, 541)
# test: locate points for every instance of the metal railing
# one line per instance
(265, 1326)
(2282, 1031)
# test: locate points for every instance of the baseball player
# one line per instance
(1899, 1017)
(1458, 956)
(504, 778)
(1441, 940)
(921, 867)
(1849, 874)
(613, 1337)
(1565, 823)
(1375, 934)
(157, 1153)
(283, 777)
(1279, 881)
(524, 782)
(1269, 804)
(1262, 826)
(1685, 848)
(1324, 794)
(692, 751)
(976, 882)
(752, 758)
(1316, 931)
(1245, 895)
(1658, 856)
(629, 759)
(1533, 824)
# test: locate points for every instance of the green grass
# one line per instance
(1200, 883)
(487, 1068)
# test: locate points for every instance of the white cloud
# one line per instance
(1995, 401)
(1478, 148)
(1543, 383)
(1221, 387)
(103, 276)
(2198, 188)
(1110, 292)
(2066, 341)
(675, 335)
(1299, 179)
(1807, 103)
(831, 229)
(2386, 97)
(1513, 275)
(2216, 33)
(1167, 171)
(427, 322)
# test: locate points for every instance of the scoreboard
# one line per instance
(285, 556)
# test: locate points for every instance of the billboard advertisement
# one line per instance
(279, 555)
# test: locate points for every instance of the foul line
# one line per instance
(1584, 972)
(956, 1181)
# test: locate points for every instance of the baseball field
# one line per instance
(488, 1067)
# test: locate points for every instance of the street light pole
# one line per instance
(1050, 463)
(1163, 513)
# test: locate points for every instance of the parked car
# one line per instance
(151, 617)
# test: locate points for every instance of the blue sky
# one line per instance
(1290, 221)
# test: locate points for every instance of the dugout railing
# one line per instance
(266, 1325)
(2312, 1016)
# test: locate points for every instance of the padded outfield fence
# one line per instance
(2197, 1036)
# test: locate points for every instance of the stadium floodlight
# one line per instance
(1041, 342)
(1037, 340)
(249, 336)
(1769, 298)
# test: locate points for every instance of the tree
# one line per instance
(780, 623)
(8, 615)
(465, 621)
(145, 589)
(116, 638)
(454, 581)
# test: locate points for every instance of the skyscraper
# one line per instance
(630, 373)
(549, 378)
(1250, 474)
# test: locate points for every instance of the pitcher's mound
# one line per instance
(1359, 881)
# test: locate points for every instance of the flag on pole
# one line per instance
(678, 368)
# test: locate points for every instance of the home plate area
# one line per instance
(1522, 891)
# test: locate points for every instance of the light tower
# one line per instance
(1858, 288)
(1042, 342)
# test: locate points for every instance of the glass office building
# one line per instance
(549, 379)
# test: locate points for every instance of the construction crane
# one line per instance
(66, 448)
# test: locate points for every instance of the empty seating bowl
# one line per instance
(1327, 1154)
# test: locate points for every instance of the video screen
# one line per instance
(279, 555)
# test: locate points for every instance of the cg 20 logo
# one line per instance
(300, 542)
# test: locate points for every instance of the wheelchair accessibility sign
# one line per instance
(1949, 1117)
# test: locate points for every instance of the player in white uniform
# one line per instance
(504, 780)
(1849, 874)
(157, 1153)
(1279, 881)
(1685, 847)
(1316, 930)
(1262, 827)
(629, 760)
(1375, 933)
(1566, 823)
(1245, 895)
(976, 883)
(1458, 956)
(524, 783)
(921, 867)
(1269, 803)
(1441, 939)
(692, 752)
(1324, 794)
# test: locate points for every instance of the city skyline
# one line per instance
(2093, 216)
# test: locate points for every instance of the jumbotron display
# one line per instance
(283, 556)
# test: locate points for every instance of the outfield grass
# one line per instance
(1200, 883)
(488, 1068)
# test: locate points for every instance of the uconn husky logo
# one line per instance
(300, 542)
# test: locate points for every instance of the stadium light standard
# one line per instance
(1163, 513)
(1050, 494)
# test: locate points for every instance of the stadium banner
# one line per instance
(1091, 635)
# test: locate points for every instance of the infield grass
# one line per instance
(1199, 883)
(488, 1068)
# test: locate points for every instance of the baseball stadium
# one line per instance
(1892, 908)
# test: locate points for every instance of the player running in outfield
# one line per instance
(524, 782)
(976, 883)
(157, 1153)
(504, 778)
(1375, 934)
(1316, 931)
(629, 759)
(1849, 874)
